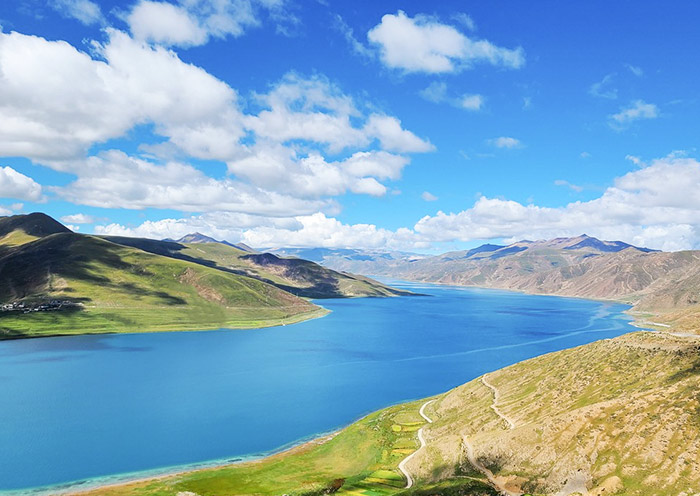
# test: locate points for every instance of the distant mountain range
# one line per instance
(663, 284)
(54, 281)
(196, 237)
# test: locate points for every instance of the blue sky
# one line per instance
(385, 125)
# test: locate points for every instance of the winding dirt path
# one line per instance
(499, 485)
(494, 405)
(402, 465)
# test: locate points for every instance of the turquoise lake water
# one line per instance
(73, 409)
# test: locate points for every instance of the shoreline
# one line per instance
(85, 486)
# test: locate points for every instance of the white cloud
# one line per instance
(655, 206)
(14, 184)
(78, 219)
(85, 11)
(314, 109)
(573, 187)
(56, 101)
(471, 102)
(465, 20)
(636, 70)
(436, 92)
(428, 196)
(279, 168)
(263, 232)
(635, 160)
(423, 44)
(193, 22)
(113, 179)
(349, 35)
(393, 137)
(639, 109)
(603, 88)
(165, 23)
(505, 142)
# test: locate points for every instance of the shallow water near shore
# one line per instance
(84, 407)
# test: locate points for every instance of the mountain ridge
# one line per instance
(662, 287)
(54, 281)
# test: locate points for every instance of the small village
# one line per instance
(47, 306)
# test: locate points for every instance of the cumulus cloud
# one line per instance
(423, 44)
(78, 219)
(113, 179)
(392, 136)
(654, 206)
(505, 142)
(14, 184)
(85, 11)
(193, 22)
(165, 23)
(56, 101)
(265, 232)
(279, 168)
(314, 109)
(428, 196)
(637, 110)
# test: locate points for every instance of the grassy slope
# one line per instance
(361, 460)
(620, 414)
(123, 289)
(300, 277)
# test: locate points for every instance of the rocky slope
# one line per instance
(618, 416)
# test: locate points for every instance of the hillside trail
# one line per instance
(402, 465)
(494, 405)
(499, 484)
(495, 482)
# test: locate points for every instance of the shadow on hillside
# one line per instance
(27, 271)
(317, 285)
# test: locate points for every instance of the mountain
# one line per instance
(369, 262)
(196, 237)
(297, 276)
(54, 281)
(663, 287)
(19, 229)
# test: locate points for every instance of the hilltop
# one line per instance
(54, 281)
(663, 287)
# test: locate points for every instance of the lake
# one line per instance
(86, 408)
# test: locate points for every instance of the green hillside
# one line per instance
(53, 281)
(297, 276)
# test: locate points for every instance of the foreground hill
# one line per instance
(663, 287)
(619, 416)
(54, 281)
(297, 276)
